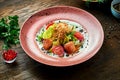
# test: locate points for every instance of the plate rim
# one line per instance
(70, 64)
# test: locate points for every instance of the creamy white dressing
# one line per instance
(76, 26)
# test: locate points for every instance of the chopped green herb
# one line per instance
(9, 31)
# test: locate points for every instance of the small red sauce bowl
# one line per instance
(9, 56)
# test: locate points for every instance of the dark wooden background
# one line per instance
(105, 65)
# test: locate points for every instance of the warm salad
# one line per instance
(60, 38)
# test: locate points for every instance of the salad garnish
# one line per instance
(60, 38)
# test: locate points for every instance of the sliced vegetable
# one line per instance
(48, 33)
(50, 24)
(58, 50)
(56, 43)
(40, 37)
(71, 36)
(79, 36)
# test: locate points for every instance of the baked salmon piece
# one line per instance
(47, 44)
(70, 47)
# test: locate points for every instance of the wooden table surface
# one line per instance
(105, 65)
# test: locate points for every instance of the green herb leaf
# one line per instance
(9, 31)
(5, 47)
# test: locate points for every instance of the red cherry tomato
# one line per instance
(79, 36)
(58, 50)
